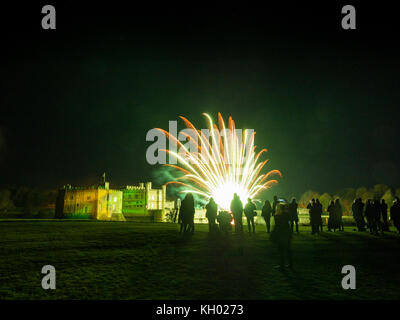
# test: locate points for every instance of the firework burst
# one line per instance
(221, 167)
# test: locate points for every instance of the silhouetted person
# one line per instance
(333, 222)
(266, 214)
(370, 215)
(354, 210)
(177, 208)
(395, 213)
(237, 211)
(310, 207)
(358, 207)
(224, 220)
(376, 209)
(318, 214)
(186, 214)
(293, 215)
(250, 212)
(211, 214)
(191, 213)
(274, 204)
(312, 210)
(182, 218)
(282, 235)
(384, 215)
(339, 214)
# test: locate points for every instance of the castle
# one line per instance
(139, 203)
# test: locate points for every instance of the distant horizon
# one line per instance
(262, 195)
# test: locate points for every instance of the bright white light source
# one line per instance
(223, 194)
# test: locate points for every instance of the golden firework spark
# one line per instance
(223, 167)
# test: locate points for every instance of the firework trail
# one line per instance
(221, 168)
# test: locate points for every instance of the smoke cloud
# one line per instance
(164, 174)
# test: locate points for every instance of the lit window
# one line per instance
(115, 199)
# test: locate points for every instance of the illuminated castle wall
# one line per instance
(143, 202)
(140, 202)
(99, 203)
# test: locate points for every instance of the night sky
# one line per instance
(79, 100)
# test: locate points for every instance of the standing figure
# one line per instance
(211, 214)
(339, 214)
(384, 214)
(177, 208)
(331, 219)
(281, 235)
(313, 219)
(274, 204)
(361, 215)
(186, 214)
(376, 212)
(250, 213)
(224, 220)
(266, 214)
(293, 215)
(369, 214)
(354, 210)
(318, 214)
(182, 217)
(237, 211)
(395, 213)
(358, 207)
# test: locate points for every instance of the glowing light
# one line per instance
(223, 167)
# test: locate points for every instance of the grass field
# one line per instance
(122, 260)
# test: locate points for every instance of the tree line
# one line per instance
(27, 202)
(35, 202)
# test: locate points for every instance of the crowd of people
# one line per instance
(287, 220)
(224, 218)
(335, 220)
(269, 211)
(372, 215)
(375, 215)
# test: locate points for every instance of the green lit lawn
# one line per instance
(117, 260)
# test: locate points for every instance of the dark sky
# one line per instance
(79, 100)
